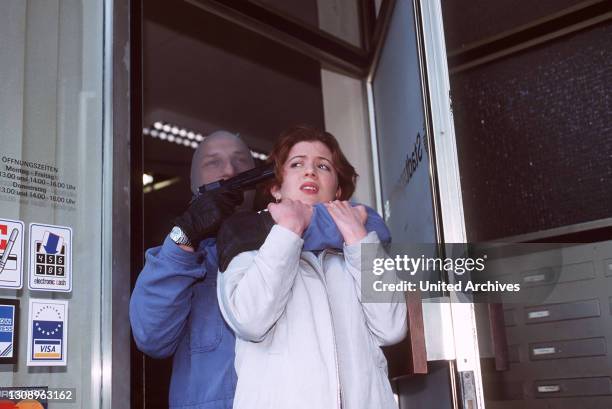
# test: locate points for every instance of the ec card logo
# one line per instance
(9, 325)
(11, 253)
(47, 332)
(23, 397)
(50, 258)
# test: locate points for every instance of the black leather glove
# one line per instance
(206, 213)
(243, 231)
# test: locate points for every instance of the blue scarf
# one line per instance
(322, 233)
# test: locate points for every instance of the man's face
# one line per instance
(223, 158)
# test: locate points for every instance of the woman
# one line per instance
(304, 338)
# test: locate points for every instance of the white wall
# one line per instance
(344, 98)
(346, 117)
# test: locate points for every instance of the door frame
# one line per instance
(355, 62)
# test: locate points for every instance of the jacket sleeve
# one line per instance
(385, 312)
(254, 290)
(161, 300)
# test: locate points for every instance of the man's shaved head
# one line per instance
(220, 155)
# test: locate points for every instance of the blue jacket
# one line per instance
(174, 311)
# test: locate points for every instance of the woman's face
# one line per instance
(309, 174)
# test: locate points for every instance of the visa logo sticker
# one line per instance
(49, 348)
(47, 332)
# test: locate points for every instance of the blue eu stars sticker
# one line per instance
(47, 330)
(48, 340)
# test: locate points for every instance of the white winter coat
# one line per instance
(304, 339)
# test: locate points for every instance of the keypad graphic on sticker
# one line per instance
(50, 264)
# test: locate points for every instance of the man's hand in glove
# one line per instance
(206, 213)
(244, 231)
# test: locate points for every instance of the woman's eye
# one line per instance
(295, 165)
(324, 166)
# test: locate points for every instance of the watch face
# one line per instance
(177, 236)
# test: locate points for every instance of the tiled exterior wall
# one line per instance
(534, 133)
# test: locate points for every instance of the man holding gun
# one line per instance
(173, 309)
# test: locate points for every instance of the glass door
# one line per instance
(419, 194)
(385, 94)
(55, 203)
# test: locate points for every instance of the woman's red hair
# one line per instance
(303, 133)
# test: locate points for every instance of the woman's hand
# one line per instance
(350, 220)
(291, 214)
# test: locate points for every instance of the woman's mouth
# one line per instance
(310, 188)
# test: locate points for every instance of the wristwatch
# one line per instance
(178, 236)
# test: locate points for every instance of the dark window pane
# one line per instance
(475, 20)
(534, 136)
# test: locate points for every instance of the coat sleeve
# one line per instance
(161, 300)
(254, 290)
(385, 312)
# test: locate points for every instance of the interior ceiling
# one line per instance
(205, 73)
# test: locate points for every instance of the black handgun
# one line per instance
(244, 181)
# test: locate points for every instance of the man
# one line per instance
(174, 309)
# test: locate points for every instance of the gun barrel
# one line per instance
(243, 181)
